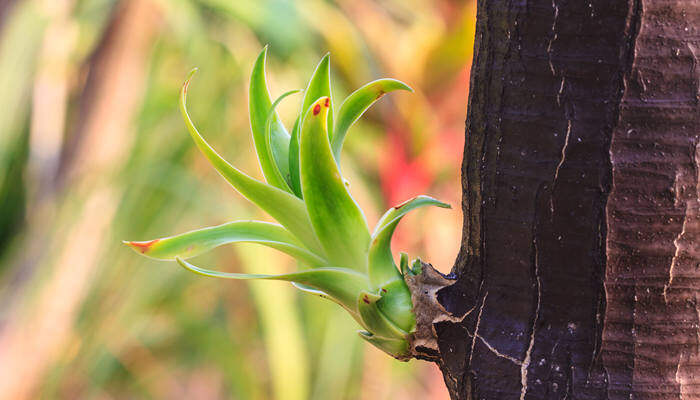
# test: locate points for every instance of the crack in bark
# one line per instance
(528, 354)
(495, 350)
(552, 39)
(476, 327)
(688, 204)
(561, 90)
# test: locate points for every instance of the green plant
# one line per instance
(320, 224)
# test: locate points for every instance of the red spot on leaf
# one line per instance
(327, 102)
(396, 207)
(143, 246)
(317, 109)
(383, 290)
(365, 299)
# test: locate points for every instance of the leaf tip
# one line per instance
(141, 247)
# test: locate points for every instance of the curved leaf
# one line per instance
(381, 268)
(374, 320)
(294, 177)
(337, 220)
(397, 348)
(278, 145)
(320, 86)
(397, 306)
(341, 284)
(356, 104)
(397, 212)
(258, 106)
(196, 242)
(287, 209)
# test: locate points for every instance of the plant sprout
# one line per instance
(320, 224)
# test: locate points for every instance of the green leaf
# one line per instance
(319, 86)
(287, 209)
(397, 348)
(397, 212)
(337, 220)
(374, 320)
(278, 145)
(294, 177)
(341, 284)
(356, 104)
(382, 268)
(397, 306)
(259, 104)
(196, 242)
(403, 262)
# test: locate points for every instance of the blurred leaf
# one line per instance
(337, 219)
(295, 178)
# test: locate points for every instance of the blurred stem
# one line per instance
(286, 352)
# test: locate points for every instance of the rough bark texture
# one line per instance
(579, 271)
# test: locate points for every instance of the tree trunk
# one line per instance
(579, 270)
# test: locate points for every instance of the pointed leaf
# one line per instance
(324, 295)
(397, 212)
(294, 177)
(278, 145)
(287, 209)
(196, 242)
(337, 220)
(259, 104)
(382, 268)
(341, 284)
(374, 320)
(396, 348)
(356, 104)
(320, 86)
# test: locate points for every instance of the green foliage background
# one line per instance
(93, 151)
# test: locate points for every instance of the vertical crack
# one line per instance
(528, 353)
(688, 204)
(553, 37)
(561, 90)
(561, 162)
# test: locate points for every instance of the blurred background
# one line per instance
(93, 151)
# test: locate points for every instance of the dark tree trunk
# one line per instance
(579, 270)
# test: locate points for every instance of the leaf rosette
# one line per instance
(319, 222)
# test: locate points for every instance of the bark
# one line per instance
(578, 272)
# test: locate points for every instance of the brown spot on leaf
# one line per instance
(317, 109)
(383, 290)
(365, 299)
(380, 94)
